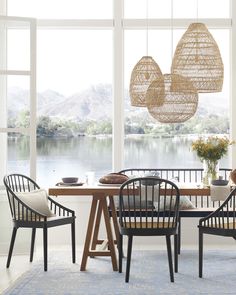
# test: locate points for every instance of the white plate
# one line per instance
(109, 184)
(70, 184)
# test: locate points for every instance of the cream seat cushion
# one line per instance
(37, 200)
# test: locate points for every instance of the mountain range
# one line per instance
(94, 103)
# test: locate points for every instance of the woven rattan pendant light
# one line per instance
(198, 57)
(143, 74)
(180, 99)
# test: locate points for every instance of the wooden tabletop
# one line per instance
(85, 190)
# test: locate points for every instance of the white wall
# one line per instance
(22, 244)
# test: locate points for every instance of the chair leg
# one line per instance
(200, 253)
(179, 235)
(130, 241)
(32, 244)
(13, 237)
(176, 252)
(168, 244)
(45, 248)
(120, 248)
(73, 241)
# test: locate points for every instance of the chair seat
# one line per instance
(50, 221)
(225, 226)
(153, 225)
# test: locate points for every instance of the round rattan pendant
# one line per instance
(197, 57)
(155, 95)
(180, 99)
(143, 74)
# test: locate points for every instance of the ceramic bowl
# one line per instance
(219, 182)
(70, 179)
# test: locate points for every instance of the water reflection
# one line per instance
(58, 157)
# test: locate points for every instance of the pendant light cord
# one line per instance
(171, 27)
(147, 9)
(197, 10)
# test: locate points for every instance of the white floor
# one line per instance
(19, 265)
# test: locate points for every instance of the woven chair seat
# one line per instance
(153, 225)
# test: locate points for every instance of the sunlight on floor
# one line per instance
(19, 265)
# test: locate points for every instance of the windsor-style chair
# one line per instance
(23, 215)
(148, 206)
(221, 222)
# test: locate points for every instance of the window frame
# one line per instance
(18, 22)
(118, 24)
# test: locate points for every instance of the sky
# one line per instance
(69, 61)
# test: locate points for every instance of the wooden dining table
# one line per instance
(102, 202)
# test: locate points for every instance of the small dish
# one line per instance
(70, 180)
(220, 182)
(70, 184)
(109, 184)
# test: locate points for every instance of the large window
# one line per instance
(17, 95)
(86, 51)
(61, 9)
(164, 145)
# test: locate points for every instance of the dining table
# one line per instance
(103, 204)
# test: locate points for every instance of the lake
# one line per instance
(58, 157)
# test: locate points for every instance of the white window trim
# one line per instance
(17, 22)
(233, 84)
(119, 24)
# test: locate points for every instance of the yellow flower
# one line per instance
(212, 149)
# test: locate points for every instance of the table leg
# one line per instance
(89, 234)
(109, 234)
(114, 218)
(97, 226)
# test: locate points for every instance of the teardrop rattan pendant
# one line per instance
(143, 74)
(180, 99)
(198, 58)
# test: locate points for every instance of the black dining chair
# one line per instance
(31, 208)
(148, 206)
(221, 222)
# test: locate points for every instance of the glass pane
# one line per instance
(138, 8)
(15, 103)
(74, 103)
(18, 147)
(61, 8)
(62, 157)
(216, 8)
(149, 143)
(17, 47)
(18, 101)
(201, 8)
(181, 8)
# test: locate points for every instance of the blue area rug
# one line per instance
(149, 275)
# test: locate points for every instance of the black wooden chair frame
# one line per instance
(221, 222)
(184, 175)
(26, 217)
(130, 232)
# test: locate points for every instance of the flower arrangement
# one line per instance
(211, 149)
